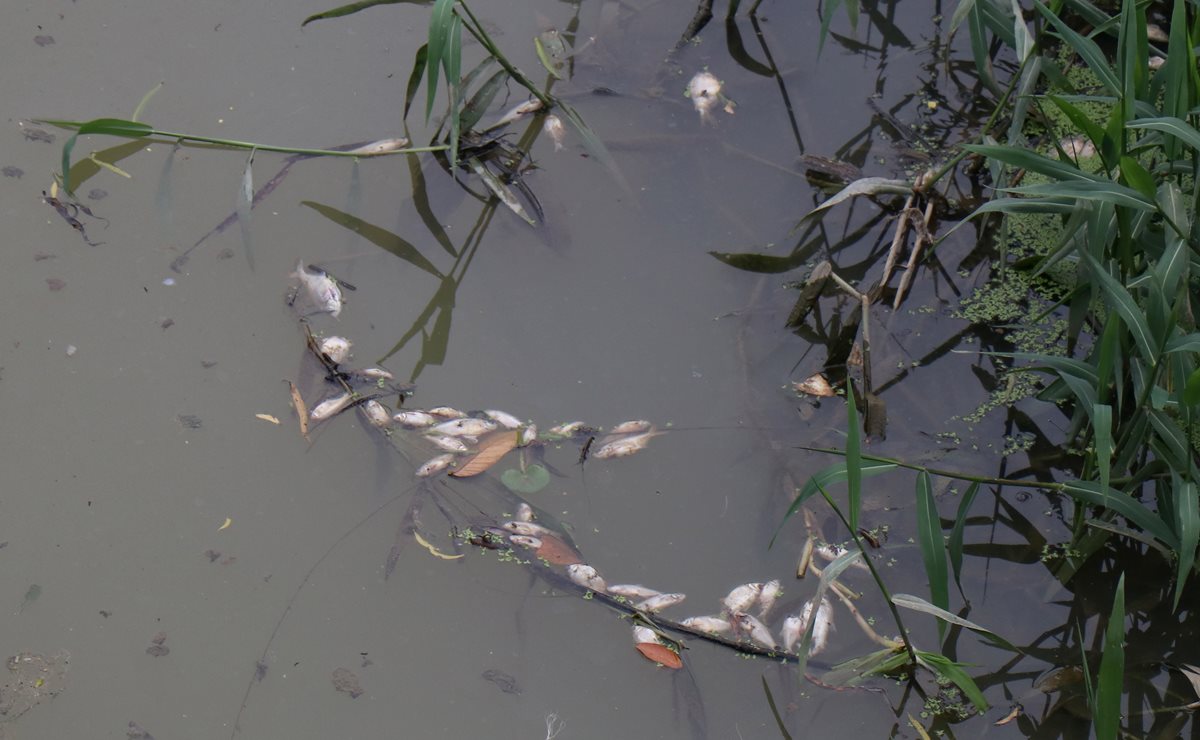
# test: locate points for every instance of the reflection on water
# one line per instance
(315, 586)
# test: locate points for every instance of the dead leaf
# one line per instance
(1013, 714)
(267, 417)
(557, 552)
(817, 385)
(660, 654)
(491, 449)
(226, 525)
(301, 409)
(432, 549)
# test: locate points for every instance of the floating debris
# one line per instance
(346, 682)
(524, 512)
(705, 91)
(383, 146)
(157, 647)
(661, 654)
(491, 451)
(504, 681)
(188, 421)
(55, 284)
(33, 678)
(135, 731)
(554, 128)
(267, 417)
(816, 385)
(337, 349)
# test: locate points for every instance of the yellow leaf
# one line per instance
(491, 449)
(917, 726)
(109, 166)
(301, 409)
(228, 523)
(1016, 712)
(267, 417)
(436, 552)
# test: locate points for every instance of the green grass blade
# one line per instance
(828, 576)
(354, 8)
(917, 604)
(545, 58)
(1183, 343)
(1179, 91)
(948, 669)
(853, 461)
(1025, 159)
(106, 126)
(1120, 301)
(452, 59)
(1106, 711)
(955, 546)
(1138, 177)
(377, 235)
(1169, 125)
(1187, 520)
(1079, 119)
(482, 100)
(823, 479)
(960, 14)
(414, 79)
(1172, 266)
(141, 106)
(775, 711)
(440, 22)
(499, 189)
(1102, 423)
(1089, 493)
(979, 46)
(933, 551)
(1092, 192)
(593, 145)
(1088, 50)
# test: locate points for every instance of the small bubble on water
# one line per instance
(168, 281)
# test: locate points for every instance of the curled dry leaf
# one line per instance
(267, 417)
(660, 654)
(557, 552)
(1012, 714)
(817, 385)
(491, 450)
(301, 409)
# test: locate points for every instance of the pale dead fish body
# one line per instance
(660, 602)
(633, 591)
(449, 444)
(435, 466)
(466, 427)
(372, 373)
(705, 91)
(626, 446)
(830, 552)
(569, 429)
(756, 630)
(337, 349)
(527, 528)
(322, 290)
(642, 633)
(742, 598)
(712, 625)
(586, 576)
(446, 412)
(527, 436)
(524, 512)
(790, 633)
(771, 591)
(521, 109)
(631, 427)
(414, 419)
(383, 146)
(822, 624)
(503, 418)
(554, 128)
(377, 414)
(331, 406)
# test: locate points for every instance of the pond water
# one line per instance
(177, 541)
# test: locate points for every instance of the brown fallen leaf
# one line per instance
(816, 385)
(267, 417)
(1013, 714)
(301, 409)
(660, 654)
(557, 552)
(491, 449)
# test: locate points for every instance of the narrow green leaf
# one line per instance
(378, 236)
(1024, 39)
(104, 126)
(1178, 71)
(1079, 119)
(1172, 266)
(1120, 301)
(414, 79)
(1183, 343)
(1102, 422)
(960, 13)
(853, 461)
(835, 473)
(1105, 192)
(500, 190)
(1187, 521)
(774, 711)
(948, 669)
(545, 58)
(917, 604)
(956, 536)
(354, 8)
(828, 576)
(482, 100)
(980, 44)
(141, 106)
(933, 551)
(593, 145)
(1169, 125)
(863, 186)
(1090, 494)
(452, 59)
(1025, 159)
(1138, 178)
(440, 21)
(1106, 713)
(1088, 50)
(1191, 392)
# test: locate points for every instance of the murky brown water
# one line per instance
(124, 456)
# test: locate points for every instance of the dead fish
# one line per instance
(524, 512)
(815, 385)
(660, 602)
(755, 629)
(626, 446)
(503, 418)
(705, 91)
(413, 419)
(467, 427)
(631, 427)
(450, 444)
(527, 436)
(830, 552)
(633, 591)
(642, 633)
(767, 597)
(372, 373)
(714, 625)
(377, 414)
(446, 412)
(383, 146)
(529, 529)
(521, 109)
(569, 429)
(435, 466)
(554, 128)
(586, 576)
(331, 406)
(822, 625)
(337, 349)
(533, 543)
(322, 290)
(742, 598)
(790, 633)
